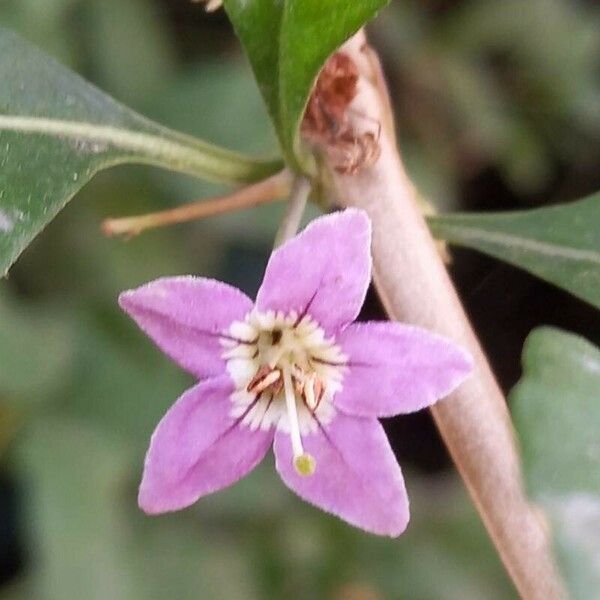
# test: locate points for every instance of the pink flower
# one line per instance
(291, 370)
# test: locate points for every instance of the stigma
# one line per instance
(286, 372)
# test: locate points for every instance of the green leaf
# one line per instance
(556, 408)
(57, 131)
(560, 243)
(287, 43)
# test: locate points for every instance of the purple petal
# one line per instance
(198, 448)
(396, 368)
(184, 316)
(357, 477)
(324, 271)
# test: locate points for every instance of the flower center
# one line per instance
(286, 373)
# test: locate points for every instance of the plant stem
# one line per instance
(268, 190)
(294, 211)
(415, 287)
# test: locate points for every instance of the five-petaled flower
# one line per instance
(295, 371)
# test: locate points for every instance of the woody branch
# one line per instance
(415, 287)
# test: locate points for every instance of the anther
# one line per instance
(264, 379)
(313, 391)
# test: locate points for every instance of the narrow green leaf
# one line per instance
(57, 131)
(556, 408)
(287, 43)
(560, 243)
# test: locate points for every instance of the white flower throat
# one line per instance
(285, 373)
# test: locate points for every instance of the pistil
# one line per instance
(303, 462)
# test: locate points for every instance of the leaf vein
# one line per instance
(517, 242)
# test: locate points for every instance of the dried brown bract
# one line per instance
(351, 152)
(326, 123)
(334, 91)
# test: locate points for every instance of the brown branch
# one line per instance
(415, 287)
(268, 190)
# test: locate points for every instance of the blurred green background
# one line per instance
(498, 105)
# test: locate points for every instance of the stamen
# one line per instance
(319, 391)
(267, 348)
(264, 378)
(309, 392)
(313, 391)
(303, 462)
(272, 377)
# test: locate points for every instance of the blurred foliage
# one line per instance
(508, 86)
(557, 399)
(252, 541)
